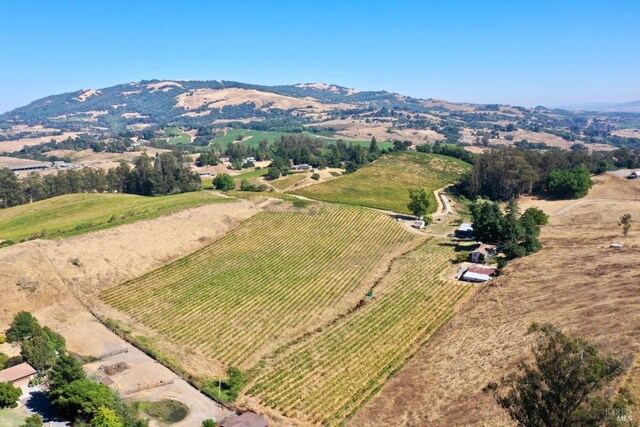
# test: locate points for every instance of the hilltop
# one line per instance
(179, 112)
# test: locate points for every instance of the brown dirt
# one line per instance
(576, 282)
(18, 144)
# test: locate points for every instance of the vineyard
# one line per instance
(385, 183)
(327, 377)
(276, 276)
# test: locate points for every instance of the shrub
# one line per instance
(300, 203)
(273, 173)
(9, 395)
(224, 182)
(34, 420)
(461, 257)
(315, 176)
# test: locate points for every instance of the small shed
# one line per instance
(465, 230)
(477, 273)
(247, 419)
(419, 224)
(18, 375)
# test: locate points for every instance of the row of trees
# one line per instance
(167, 173)
(505, 173)
(76, 397)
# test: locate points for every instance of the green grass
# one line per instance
(177, 136)
(166, 411)
(256, 173)
(385, 183)
(271, 137)
(73, 214)
(11, 417)
(287, 181)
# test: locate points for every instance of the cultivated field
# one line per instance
(278, 275)
(328, 375)
(385, 183)
(75, 214)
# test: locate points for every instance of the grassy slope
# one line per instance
(257, 136)
(74, 214)
(385, 184)
(177, 136)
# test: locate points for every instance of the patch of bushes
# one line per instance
(227, 390)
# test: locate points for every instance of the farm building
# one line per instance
(18, 375)
(477, 273)
(419, 224)
(465, 230)
(247, 419)
(483, 252)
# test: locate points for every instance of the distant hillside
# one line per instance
(624, 107)
(194, 103)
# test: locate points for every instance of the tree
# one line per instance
(537, 215)
(419, 202)
(209, 423)
(569, 183)
(82, 399)
(38, 350)
(106, 417)
(488, 222)
(373, 146)
(9, 395)
(564, 387)
(273, 173)
(11, 193)
(224, 182)
(22, 327)
(65, 370)
(34, 420)
(625, 222)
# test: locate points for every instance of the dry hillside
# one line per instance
(577, 282)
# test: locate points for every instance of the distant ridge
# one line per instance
(607, 107)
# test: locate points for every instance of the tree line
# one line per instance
(166, 173)
(507, 172)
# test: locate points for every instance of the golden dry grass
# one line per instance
(576, 282)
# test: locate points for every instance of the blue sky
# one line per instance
(517, 52)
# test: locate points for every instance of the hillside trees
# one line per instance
(564, 386)
(224, 182)
(11, 193)
(569, 183)
(516, 234)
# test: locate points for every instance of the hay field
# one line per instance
(276, 276)
(385, 183)
(74, 214)
(576, 282)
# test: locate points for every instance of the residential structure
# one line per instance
(18, 375)
(464, 231)
(483, 252)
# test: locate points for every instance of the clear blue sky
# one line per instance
(518, 52)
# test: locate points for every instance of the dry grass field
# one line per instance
(576, 282)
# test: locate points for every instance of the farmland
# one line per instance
(176, 136)
(276, 276)
(327, 377)
(253, 137)
(385, 183)
(74, 214)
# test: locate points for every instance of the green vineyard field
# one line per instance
(274, 277)
(325, 378)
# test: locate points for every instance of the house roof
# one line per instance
(248, 419)
(481, 269)
(465, 226)
(17, 372)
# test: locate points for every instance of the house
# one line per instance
(477, 273)
(419, 224)
(18, 375)
(464, 231)
(483, 252)
(247, 419)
